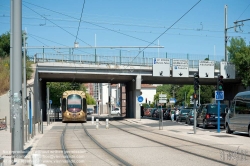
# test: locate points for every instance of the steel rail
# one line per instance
(170, 146)
(105, 149)
(67, 157)
(181, 139)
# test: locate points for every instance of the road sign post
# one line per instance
(219, 95)
(140, 100)
(162, 100)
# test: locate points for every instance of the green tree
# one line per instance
(206, 93)
(239, 54)
(57, 89)
(5, 45)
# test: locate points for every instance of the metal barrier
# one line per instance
(122, 59)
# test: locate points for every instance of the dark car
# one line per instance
(207, 115)
(166, 113)
(190, 117)
(154, 112)
(158, 112)
(183, 114)
(90, 111)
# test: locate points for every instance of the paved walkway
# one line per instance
(232, 142)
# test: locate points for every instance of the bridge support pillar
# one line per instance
(133, 90)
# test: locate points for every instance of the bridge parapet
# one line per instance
(107, 60)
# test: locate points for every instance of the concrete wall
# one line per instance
(148, 93)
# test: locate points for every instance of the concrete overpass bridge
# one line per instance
(129, 71)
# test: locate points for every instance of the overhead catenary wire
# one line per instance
(243, 11)
(89, 23)
(56, 24)
(165, 31)
(79, 24)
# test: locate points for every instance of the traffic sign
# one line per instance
(162, 98)
(140, 99)
(50, 101)
(219, 95)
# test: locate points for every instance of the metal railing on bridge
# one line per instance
(144, 60)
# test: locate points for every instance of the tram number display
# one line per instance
(74, 101)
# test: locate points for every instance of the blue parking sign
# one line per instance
(140, 99)
(219, 95)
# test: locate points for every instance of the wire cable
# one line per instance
(79, 24)
(164, 32)
(243, 11)
(56, 25)
(90, 23)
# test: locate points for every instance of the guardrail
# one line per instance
(106, 60)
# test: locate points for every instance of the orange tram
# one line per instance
(74, 106)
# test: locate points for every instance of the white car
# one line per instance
(116, 111)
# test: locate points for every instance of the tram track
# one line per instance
(181, 139)
(70, 161)
(65, 152)
(171, 146)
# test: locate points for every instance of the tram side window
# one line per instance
(242, 107)
(84, 104)
(64, 105)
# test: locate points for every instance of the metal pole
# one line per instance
(30, 116)
(17, 78)
(47, 106)
(11, 65)
(199, 95)
(185, 100)
(50, 121)
(160, 119)
(226, 33)
(195, 115)
(218, 117)
(24, 85)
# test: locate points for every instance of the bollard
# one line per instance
(93, 119)
(36, 159)
(1, 161)
(97, 123)
(107, 123)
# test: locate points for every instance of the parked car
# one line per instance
(238, 116)
(207, 115)
(183, 114)
(190, 117)
(116, 111)
(153, 112)
(90, 111)
(147, 112)
(166, 113)
(158, 112)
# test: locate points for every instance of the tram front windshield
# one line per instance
(74, 103)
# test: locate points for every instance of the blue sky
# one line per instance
(132, 23)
